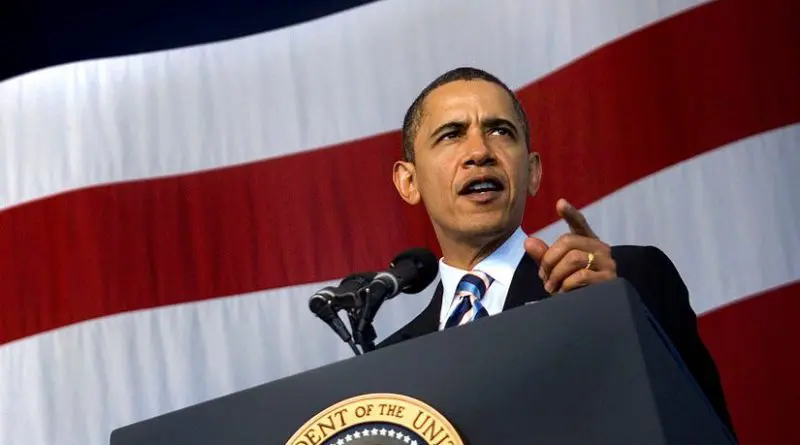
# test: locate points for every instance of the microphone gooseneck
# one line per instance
(362, 294)
(320, 305)
(409, 272)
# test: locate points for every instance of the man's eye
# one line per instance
(449, 135)
(502, 131)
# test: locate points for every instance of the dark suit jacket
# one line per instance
(662, 291)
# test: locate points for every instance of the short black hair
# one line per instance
(413, 117)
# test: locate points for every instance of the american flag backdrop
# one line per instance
(167, 209)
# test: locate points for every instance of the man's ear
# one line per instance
(405, 181)
(534, 173)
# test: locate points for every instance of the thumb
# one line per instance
(536, 248)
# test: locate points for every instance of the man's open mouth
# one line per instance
(482, 185)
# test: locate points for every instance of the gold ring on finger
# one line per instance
(590, 261)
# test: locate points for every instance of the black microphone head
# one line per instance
(319, 301)
(316, 303)
(356, 281)
(426, 268)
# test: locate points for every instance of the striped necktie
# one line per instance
(467, 301)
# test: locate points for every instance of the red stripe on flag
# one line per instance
(715, 74)
(705, 78)
(751, 342)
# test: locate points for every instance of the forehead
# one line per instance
(465, 100)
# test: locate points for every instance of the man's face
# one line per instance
(472, 169)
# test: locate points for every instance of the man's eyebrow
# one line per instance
(448, 126)
(490, 122)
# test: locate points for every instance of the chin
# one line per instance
(485, 227)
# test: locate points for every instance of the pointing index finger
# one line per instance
(574, 219)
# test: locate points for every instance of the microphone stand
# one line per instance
(364, 333)
(353, 347)
(365, 337)
(324, 309)
(351, 339)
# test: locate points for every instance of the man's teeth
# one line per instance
(484, 186)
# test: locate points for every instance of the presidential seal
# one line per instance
(377, 419)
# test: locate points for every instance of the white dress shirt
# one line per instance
(500, 265)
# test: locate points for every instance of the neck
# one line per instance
(466, 252)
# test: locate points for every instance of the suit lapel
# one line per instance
(427, 321)
(526, 286)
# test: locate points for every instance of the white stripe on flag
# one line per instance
(336, 79)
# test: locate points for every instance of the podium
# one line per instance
(586, 367)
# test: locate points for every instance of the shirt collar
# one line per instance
(500, 264)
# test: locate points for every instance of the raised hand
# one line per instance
(576, 259)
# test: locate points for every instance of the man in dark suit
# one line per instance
(466, 157)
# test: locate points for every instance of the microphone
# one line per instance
(346, 296)
(321, 304)
(409, 272)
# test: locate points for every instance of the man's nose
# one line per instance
(478, 153)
